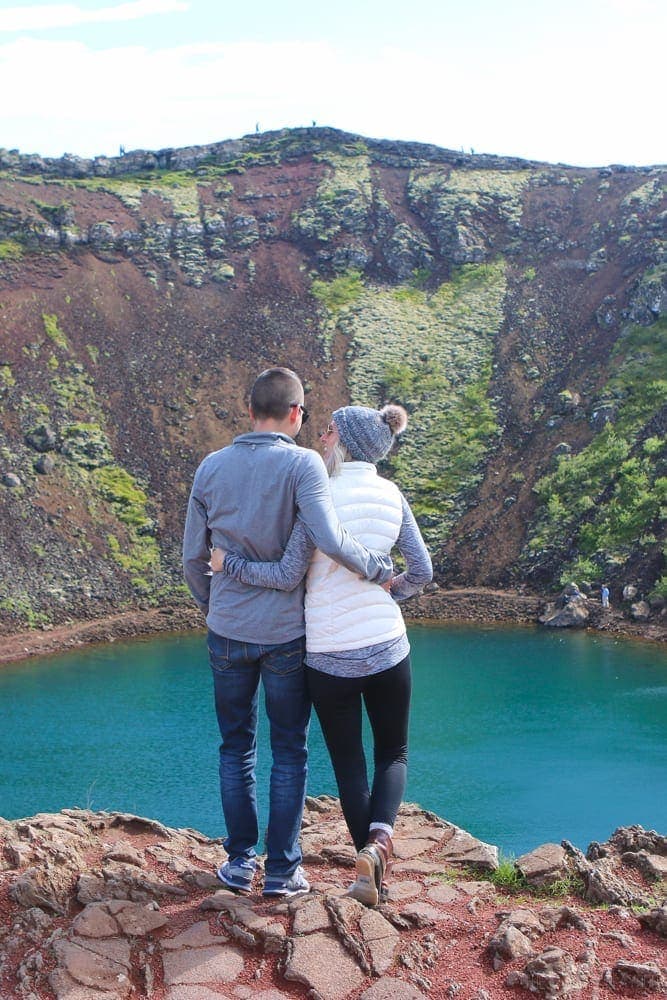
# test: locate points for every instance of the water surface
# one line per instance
(518, 735)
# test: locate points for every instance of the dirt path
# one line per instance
(474, 606)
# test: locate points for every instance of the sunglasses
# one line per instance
(304, 411)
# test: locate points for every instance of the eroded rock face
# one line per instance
(111, 906)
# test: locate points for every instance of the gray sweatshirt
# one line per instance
(245, 499)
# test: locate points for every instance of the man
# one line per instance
(245, 499)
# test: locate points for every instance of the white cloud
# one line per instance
(88, 102)
(41, 17)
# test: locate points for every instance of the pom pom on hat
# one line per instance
(369, 434)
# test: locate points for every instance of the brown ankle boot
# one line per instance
(372, 864)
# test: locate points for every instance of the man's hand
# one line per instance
(387, 585)
(217, 560)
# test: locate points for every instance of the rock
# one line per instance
(392, 989)
(320, 962)
(601, 883)
(222, 945)
(554, 973)
(135, 919)
(655, 920)
(562, 448)
(11, 480)
(570, 610)
(507, 944)
(381, 940)
(629, 592)
(545, 865)
(652, 866)
(42, 438)
(103, 965)
(45, 465)
(203, 965)
(643, 977)
(461, 848)
(605, 413)
(641, 611)
(555, 917)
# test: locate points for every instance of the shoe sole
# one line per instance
(284, 893)
(364, 889)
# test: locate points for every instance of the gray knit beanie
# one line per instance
(369, 434)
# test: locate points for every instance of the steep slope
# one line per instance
(516, 309)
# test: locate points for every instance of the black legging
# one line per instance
(337, 701)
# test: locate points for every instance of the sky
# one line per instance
(563, 81)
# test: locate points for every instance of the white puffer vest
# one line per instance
(342, 610)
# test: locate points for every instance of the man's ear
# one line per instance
(251, 414)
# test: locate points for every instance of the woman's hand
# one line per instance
(217, 561)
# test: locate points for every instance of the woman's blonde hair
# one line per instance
(335, 457)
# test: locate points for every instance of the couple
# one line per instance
(269, 512)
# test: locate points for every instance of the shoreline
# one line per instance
(472, 606)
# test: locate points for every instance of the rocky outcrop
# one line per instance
(570, 609)
(103, 906)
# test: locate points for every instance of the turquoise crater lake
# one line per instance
(519, 736)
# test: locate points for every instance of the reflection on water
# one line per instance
(520, 736)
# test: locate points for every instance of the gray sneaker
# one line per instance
(277, 885)
(237, 875)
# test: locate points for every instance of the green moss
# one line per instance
(432, 352)
(10, 250)
(126, 498)
(20, 606)
(462, 192)
(343, 199)
(342, 291)
(610, 499)
(7, 380)
(53, 331)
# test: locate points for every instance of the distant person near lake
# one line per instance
(357, 648)
(604, 595)
(246, 498)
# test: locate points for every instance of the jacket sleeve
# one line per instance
(196, 551)
(411, 545)
(283, 575)
(318, 514)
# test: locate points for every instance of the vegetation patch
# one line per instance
(432, 352)
(610, 498)
(342, 201)
(10, 250)
(53, 331)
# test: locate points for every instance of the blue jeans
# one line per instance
(237, 669)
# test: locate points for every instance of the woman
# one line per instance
(356, 644)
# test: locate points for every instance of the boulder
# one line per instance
(570, 610)
(45, 465)
(544, 866)
(641, 611)
(42, 438)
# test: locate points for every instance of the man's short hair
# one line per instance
(273, 393)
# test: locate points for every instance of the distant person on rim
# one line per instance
(357, 649)
(246, 498)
